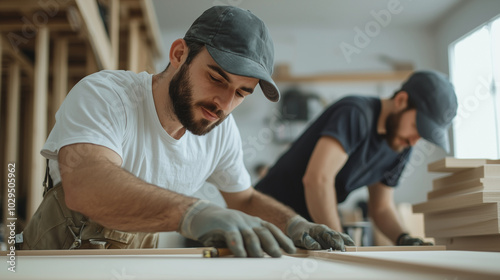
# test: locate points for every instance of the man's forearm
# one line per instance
(322, 205)
(114, 198)
(268, 209)
(388, 222)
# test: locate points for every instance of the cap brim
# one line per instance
(432, 132)
(243, 66)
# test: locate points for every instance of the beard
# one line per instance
(391, 130)
(180, 91)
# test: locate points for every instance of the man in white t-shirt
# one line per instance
(128, 150)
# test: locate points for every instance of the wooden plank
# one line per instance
(477, 220)
(30, 4)
(451, 164)
(115, 31)
(91, 65)
(25, 63)
(152, 28)
(53, 24)
(111, 252)
(96, 33)
(463, 217)
(456, 202)
(446, 263)
(144, 57)
(134, 45)
(351, 77)
(484, 227)
(11, 129)
(484, 171)
(1, 67)
(39, 120)
(60, 78)
(485, 243)
(474, 185)
(194, 251)
(393, 248)
(449, 264)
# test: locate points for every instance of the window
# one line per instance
(475, 73)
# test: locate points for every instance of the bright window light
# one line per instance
(475, 73)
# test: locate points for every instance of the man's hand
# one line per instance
(406, 240)
(315, 236)
(244, 235)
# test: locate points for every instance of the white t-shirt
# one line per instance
(115, 109)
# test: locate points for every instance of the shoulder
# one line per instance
(116, 79)
(354, 107)
(362, 104)
(112, 76)
(112, 86)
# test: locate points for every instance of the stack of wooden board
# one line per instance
(463, 208)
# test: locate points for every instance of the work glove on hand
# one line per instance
(406, 240)
(243, 234)
(315, 236)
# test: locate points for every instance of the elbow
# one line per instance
(315, 181)
(71, 198)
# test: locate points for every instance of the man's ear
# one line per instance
(401, 101)
(178, 53)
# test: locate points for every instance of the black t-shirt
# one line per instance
(353, 122)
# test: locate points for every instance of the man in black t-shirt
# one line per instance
(363, 141)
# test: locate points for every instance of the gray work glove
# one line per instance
(406, 240)
(315, 236)
(243, 234)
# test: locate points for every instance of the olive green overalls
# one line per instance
(55, 226)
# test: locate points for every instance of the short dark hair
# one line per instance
(194, 49)
(410, 104)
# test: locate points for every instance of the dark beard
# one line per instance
(391, 129)
(180, 91)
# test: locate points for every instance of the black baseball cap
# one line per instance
(239, 42)
(434, 98)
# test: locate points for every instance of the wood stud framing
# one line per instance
(60, 78)
(39, 118)
(12, 124)
(68, 42)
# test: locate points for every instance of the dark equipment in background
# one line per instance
(295, 105)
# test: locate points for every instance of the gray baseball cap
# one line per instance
(239, 42)
(434, 98)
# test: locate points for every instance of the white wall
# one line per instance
(465, 18)
(310, 51)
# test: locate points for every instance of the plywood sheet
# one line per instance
(484, 171)
(481, 265)
(319, 265)
(482, 184)
(183, 267)
(116, 252)
(457, 201)
(451, 164)
(393, 248)
(488, 212)
(486, 243)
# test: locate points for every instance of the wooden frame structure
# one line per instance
(46, 47)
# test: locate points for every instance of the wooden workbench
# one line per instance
(315, 265)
